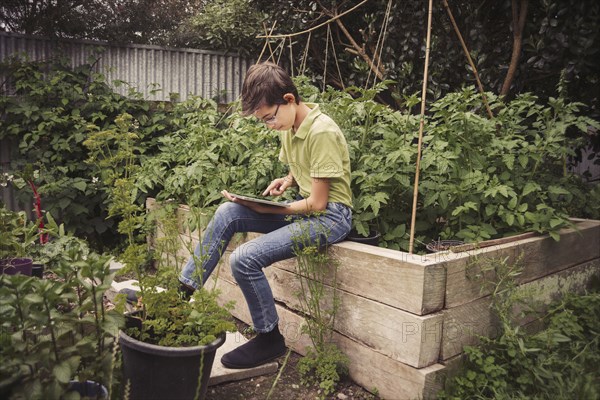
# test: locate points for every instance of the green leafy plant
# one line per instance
(45, 108)
(560, 362)
(216, 27)
(480, 178)
(165, 318)
(557, 362)
(17, 234)
(209, 152)
(55, 331)
(324, 363)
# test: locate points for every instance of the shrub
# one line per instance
(45, 116)
(560, 362)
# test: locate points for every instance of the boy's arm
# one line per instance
(317, 201)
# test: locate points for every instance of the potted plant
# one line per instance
(57, 332)
(17, 235)
(170, 341)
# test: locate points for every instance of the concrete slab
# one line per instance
(221, 374)
(114, 266)
(129, 284)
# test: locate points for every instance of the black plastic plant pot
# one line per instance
(372, 239)
(159, 372)
(14, 266)
(443, 245)
(37, 270)
(88, 389)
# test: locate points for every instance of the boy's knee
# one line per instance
(227, 208)
(244, 258)
(237, 262)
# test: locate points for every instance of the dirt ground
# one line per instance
(288, 386)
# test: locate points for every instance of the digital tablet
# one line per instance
(261, 201)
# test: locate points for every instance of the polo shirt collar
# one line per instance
(304, 127)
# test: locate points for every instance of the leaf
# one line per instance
(443, 200)
(34, 298)
(558, 190)
(490, 210)
(62, 372)
(554, 235)
(64, 203)
(523, 159)
(530, 187)
(510, 219)
(80, 185)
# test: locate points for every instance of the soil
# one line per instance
(288, 387)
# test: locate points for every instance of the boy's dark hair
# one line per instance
(265, 84)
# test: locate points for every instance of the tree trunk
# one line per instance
(519, 14)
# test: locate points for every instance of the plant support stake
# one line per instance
(469, 59)
(421, 126)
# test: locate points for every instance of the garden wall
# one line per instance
(403, 317)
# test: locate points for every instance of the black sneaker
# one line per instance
(259, 350)
(185, 291)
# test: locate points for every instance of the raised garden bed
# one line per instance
(404, 318)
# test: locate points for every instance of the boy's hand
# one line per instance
(277, 187)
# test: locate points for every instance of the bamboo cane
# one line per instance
(421, 127)
(469, 59)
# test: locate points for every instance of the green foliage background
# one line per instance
(45, 111)
(559, 362)
(480, 179)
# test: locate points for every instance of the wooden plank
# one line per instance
(391, 379)
(398, 279)
(401, 280)
(409, 338)
(378, 274)
(368, 368)
(412, 339)
(463, 324)
(541, 256)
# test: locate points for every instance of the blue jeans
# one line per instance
(279, 242)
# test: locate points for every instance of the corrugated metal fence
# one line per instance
(209, 74)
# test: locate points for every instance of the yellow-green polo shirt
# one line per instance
(318, 150)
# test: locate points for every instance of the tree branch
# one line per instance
(314, 27)
(360, 50)
(519, 15)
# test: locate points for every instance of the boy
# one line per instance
(317, 154)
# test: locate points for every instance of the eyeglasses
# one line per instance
(271, 120)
